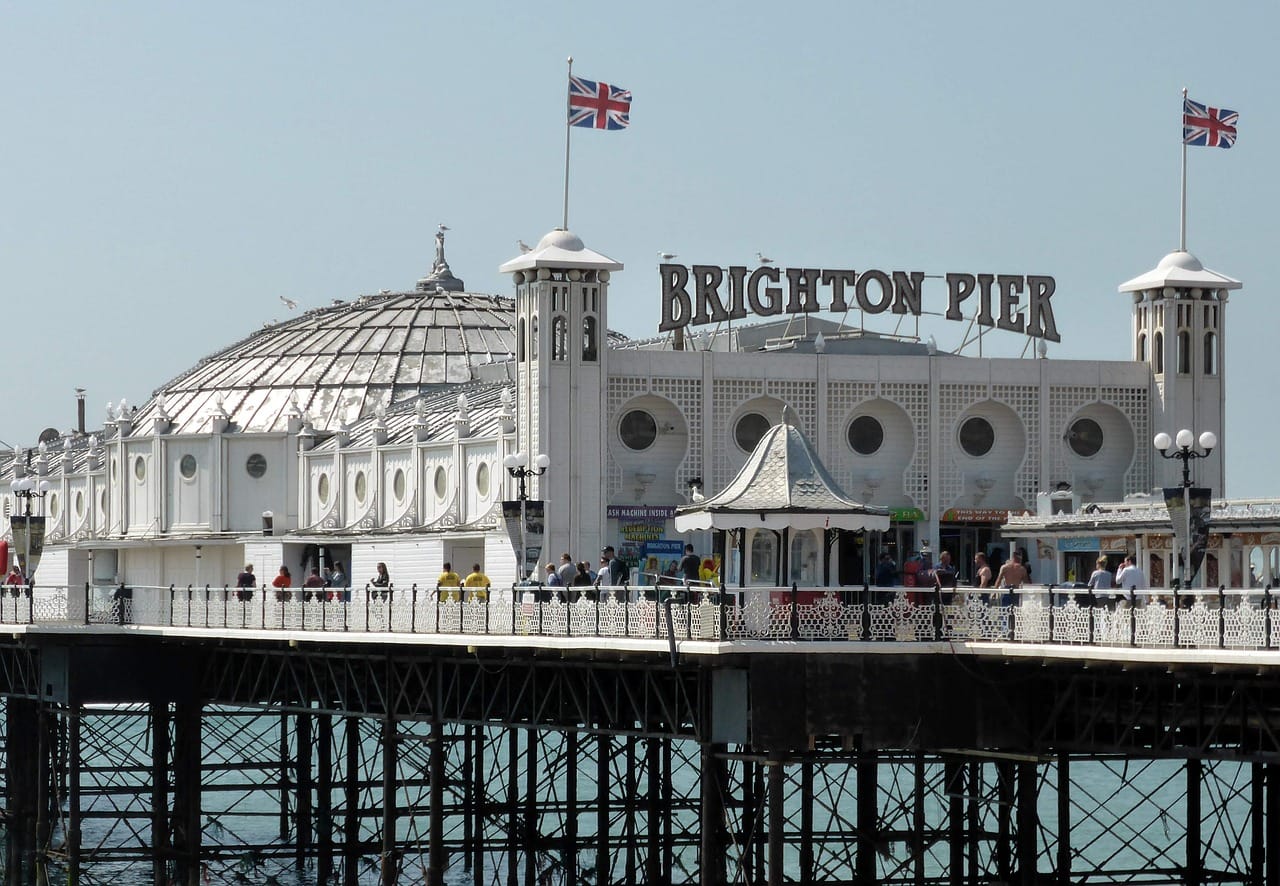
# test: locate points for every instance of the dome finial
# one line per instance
(440, 279)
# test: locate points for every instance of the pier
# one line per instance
(174, 735)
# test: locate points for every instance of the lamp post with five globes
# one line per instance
(1186, 453)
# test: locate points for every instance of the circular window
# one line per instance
(482, 479)
(362, 487)
(140, 468)
(322, 489)
(866, 435)
(398, 484)
(749, 429)
(187, 466)
(256, 465)
(79, 504)
(1085, 437)
(441, 482)
(977, 436)
(638, 430)
(53, 506)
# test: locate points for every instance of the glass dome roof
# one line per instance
(338, 363)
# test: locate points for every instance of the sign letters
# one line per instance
(702, 294)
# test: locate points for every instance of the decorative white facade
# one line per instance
(376, 429)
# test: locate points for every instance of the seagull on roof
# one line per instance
(763, 260)
(442, 226)
(288, 302)
(666, 256)
(524, 247)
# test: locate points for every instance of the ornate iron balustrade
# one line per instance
(1221, 619)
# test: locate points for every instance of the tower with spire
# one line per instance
(1179, 314)
(561, 374)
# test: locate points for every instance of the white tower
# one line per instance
(1179, 325)
(561, 371)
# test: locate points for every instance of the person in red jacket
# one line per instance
(282, 582)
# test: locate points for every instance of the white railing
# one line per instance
(1228, 619)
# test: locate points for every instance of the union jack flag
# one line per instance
(1206, 126)
(598, 105)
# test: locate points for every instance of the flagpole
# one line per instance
(567, 129)
(1182, 231)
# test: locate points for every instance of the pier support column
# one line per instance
(73, 795)
(569, 854)
(185, 826)
(161, 827)
(1028, 823)
(479, 802)
(604, 863)
(351, 800)
(712, 864)
(1064, 819)
(390, 860)
(868, 776)
(1271, 824)
(777, 819)
(435, 788)
(302, 824)
(953, 781)
(1195, 855)
(1004, 821)
(324, 797)
(20, 728)
(43, 782)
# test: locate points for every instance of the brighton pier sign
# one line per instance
(718, 295)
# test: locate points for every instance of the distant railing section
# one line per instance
(1204, 619)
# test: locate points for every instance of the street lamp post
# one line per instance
(1185, 453)
(519, 467)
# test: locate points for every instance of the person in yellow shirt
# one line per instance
(477, 584)
(448, 583)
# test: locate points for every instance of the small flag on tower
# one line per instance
(1206, 126)
(598, 105)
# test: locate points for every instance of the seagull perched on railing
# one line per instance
(763, 260)
(288, 302)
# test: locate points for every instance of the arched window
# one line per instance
(1157, 352)
(1184, 352)
(520, 352)
(1210, 353)
(1142, 348)
(533, 338)
(763, 558)
(588, 339)
(559, 338)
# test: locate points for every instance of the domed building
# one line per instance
(382, 430)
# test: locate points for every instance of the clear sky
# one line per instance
(169, 171)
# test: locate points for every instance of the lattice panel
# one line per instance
(686, 393)
(1064, 402)
(1024, 400)
(621, 389)
(1136, 404)
(727, 396)
(914, 399)
(843, 398)
(952, 401)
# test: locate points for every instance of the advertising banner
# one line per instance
(525, 523)
(28, 543)
(1189, 513)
